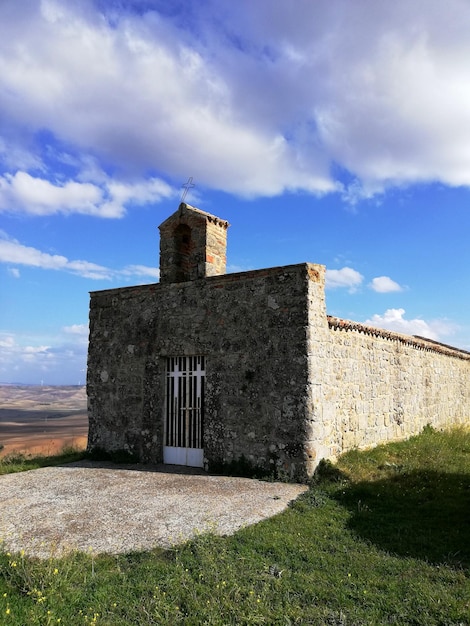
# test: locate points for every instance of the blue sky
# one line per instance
(333, 132)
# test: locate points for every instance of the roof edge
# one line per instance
(423, 343)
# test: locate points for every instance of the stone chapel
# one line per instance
(208, 369)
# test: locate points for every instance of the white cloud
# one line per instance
(142, 95)
(14, 271)
(24, 193)
(245, 103)
(28, 359)
(141, 270)
(15, 156)
(78, 331)
(40, 197)
(384, 284)
(11, 251)
(393, 319)
(7, 342)
(345, 277)
(12, 351)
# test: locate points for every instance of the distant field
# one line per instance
(42, 420)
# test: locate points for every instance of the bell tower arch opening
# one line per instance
(182, 252)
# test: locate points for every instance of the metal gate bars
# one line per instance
(184, 410)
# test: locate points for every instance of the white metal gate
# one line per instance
(184, 410)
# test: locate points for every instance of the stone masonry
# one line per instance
(192, 245)
(285, 384)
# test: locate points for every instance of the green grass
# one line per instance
(17, 462)
(382, 538)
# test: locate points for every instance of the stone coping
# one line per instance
(421, 343)
(222, 278)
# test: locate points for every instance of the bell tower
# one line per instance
(193, 244)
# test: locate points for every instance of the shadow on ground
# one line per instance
(138, 467)
(424, 515)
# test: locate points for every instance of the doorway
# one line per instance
(184, 411)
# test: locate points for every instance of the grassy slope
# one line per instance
(384, 540)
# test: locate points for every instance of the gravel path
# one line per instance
(107, 508)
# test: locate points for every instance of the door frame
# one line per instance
(184, 411)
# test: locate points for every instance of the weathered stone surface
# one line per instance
(255, 381)
(383, 386)
(286, 385)
(193, 245)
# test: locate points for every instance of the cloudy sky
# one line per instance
(334, 131)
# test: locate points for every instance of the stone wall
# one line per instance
(193, 244)
(286, 385)
(374, 386)
(252, 328)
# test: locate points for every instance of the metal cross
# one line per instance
(187, 186)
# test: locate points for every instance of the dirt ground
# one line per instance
(42, 420)
(103, 507)
(100, 507)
